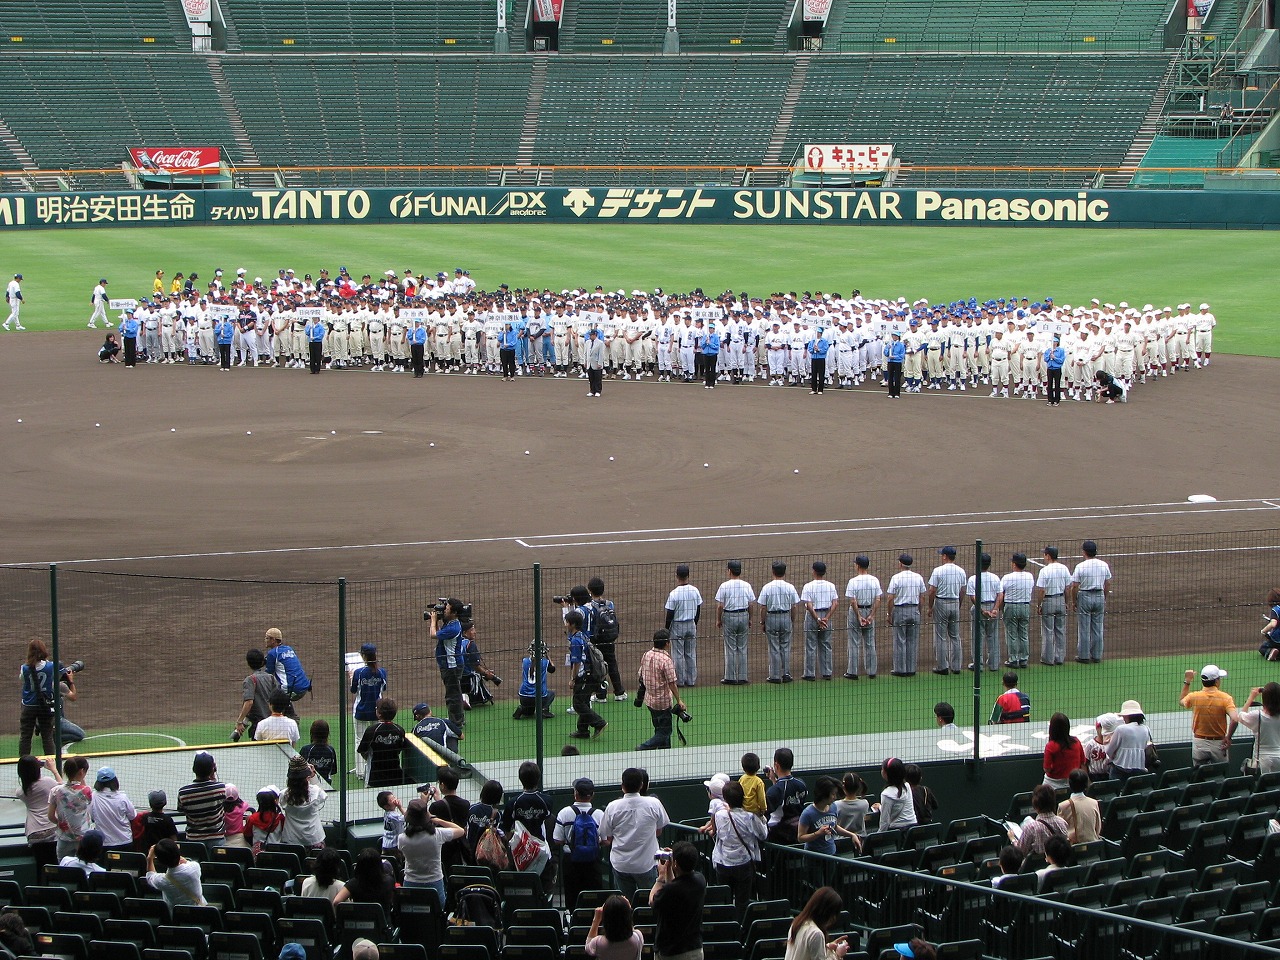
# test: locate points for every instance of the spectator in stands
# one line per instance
(853, 807)
(156, 824)
(173, 876)
(1210, 707)
(581, 869)
(69, 805)
(423, 838)
(111, 811)
(739, 835)
(372, 881)
(631, 826)
(1265, 724)
(324, 881)
(1095, 748)
(753, 792)
(923, 799)
(88, 854)
(34, 790)
(1080, 811)
(918, 948)
(303, 801)
(234, 813)
(484, 812)
(533, 809)
(896, 806)
(453, 808)
(677, 898)
(1127, 749)
(265, 822)
(807, 939)
(15, 935)
(1010, 862)
(620, 939)
(1062, 752)
(202, 802)
(1046, 823)
(364, 949)
(786, 797)
(1058, 851)
(382, 744)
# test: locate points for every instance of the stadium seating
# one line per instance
(1177, 152)
(589, 26)
(391, 26)
(726, 24)
(78, 25)
(395, 110)
(998, 24)
(1001, 110)
(660, 110)
(86, 110)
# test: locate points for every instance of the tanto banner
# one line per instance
(177, 161)
(816, 10)
(1017, 208)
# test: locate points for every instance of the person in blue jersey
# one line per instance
(284, 664)
(818, 348)
(710, 356)
(530, 684)
(130, 327)
(1055, 359)
(417, 338)
(224, 333)
(314, 332)
(446, 627)
(368, 685)
(38, 677)
(585, 683)
(895, 353)
(508, 341)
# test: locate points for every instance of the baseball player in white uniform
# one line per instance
(99, 301)
(13, 296)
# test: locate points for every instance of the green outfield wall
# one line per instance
(1227, 209)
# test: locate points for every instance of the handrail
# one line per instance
(1087, 912)
(1226, 150)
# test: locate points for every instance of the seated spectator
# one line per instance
(619, 940)
(1095, 748)
(324, 880)
(235, 811)
(922, 798)
(88, 854)
(918, 948)
(1080, 811)
(807, 939)
(1062, 753)
(897, 807)
(1058, 851)
(1012, 706)
(173, 876)
(15, 935)
(1031, 836)
(372, 881)
(111, 811)
(852, 809)
(109, 352)
(1127, 748)
(1010, 862)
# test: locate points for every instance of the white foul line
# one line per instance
(735, 531)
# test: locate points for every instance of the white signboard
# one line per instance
(122, 305)
(309, 313)
(222, 311)
(414, 313)
(706, 313)
(847, 157)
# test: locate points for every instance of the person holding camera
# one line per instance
(585, 682)
(474, 672)
(38, 676)
(677, 898)
(604, 634)
(659, 692)
(446, 627)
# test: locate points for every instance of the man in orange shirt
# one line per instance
(1210, 707)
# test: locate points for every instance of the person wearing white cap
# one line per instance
(1210, 707)
(1127, 748)
(1204, 322)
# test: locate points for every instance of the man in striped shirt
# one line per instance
(202, 802)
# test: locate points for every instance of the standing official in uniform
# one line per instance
(905, 588)
(417, 335)
(1051, 606)
(895, 354)
(314, 332)
(988, 617)
(820, 598)
(946, 583)
(224, 332)
(684, 608)
(593, 360)
(1090, 586)
(864, 593)
(733, 617)
(818, 348)
(129, 329)
(1013, 603)
(777, 600)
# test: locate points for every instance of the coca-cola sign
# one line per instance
(177, 161)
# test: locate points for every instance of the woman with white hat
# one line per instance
(1128, 747)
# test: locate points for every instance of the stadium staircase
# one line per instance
(1146, 134)
(238, 129)
(524, 174)
(786, 115)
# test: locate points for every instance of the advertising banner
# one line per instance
(547, 11)
(1017, 208)
(816, 10)
(177, 161)
(847, 157)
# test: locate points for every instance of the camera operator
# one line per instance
(71, 732)
(38, 676)
(446, 627)
(474, 672)
(606, 638)
(659, 692)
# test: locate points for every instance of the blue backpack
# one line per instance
(584, 838)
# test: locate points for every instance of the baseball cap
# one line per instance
(17, 276)
(906, 559)
(903, 949)
(948, 551)
(1210, 674)
(421, 708)
(364, 949)
(368, 650)
(294, 951)
(157, 798)
(203, 764)
(106, 774)
(715, 786)
(1131, 708)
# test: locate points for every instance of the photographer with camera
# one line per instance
(585, 681)
(474, 672)
(446, 627)
(38, 676)
(658, 691)
(604, 634)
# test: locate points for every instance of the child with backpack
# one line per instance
(577, 834)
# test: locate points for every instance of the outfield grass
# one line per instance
(805, 711)
(1232, 270)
